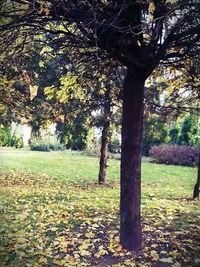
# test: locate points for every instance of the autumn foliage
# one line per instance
(45, 222)
(175, 155)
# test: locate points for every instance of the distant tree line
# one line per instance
(158, 131)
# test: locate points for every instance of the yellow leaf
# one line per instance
(116, 240)
(33, 91)
(103, 252)
(89, 234)
(42, 260)
(176, 264)
(85, 253)
(154, 255)
(166, 260)
(151, 7)
(188, 241)
(111, 248)
(53, 229)
(56, 243)
(76, 256)
(129, 263)
(95, 225)
(84, 246)
(174, 253)
(57, 261)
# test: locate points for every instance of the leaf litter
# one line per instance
(50, 223)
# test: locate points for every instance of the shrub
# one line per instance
(6, 139)
(16, 140)
(116, 156)
(95, 152)
(174, 154)
(46, 144)
(92, 151)
(5, 136)
(114, 146)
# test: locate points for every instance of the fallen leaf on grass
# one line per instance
(166, 260)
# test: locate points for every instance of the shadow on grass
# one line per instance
(78, 225)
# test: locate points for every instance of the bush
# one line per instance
(174, 154)
(114, 146)
(5, 136)
(46, 144)
(92, 151)
(6, 139)
(95, 152)
(16, 140)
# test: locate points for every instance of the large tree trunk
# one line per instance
(104, 153)
(197, 185)
(132, 127)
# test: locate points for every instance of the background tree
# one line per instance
(100, 100)
(155, 133)
(174, 134)
(107, 98)
(189, 129)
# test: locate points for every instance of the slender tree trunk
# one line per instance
(104, 153)
(132, 127)
(197, 185)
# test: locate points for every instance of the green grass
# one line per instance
(73, 167)
(68, 166)
(53, 213)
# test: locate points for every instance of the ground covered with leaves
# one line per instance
(47, 222)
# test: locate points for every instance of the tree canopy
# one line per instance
(139, 33)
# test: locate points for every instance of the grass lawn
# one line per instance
(53, 213)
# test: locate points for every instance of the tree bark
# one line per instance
(130, 195)
(104, 153)
(197, 185)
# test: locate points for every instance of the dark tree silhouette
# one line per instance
(197, 185)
